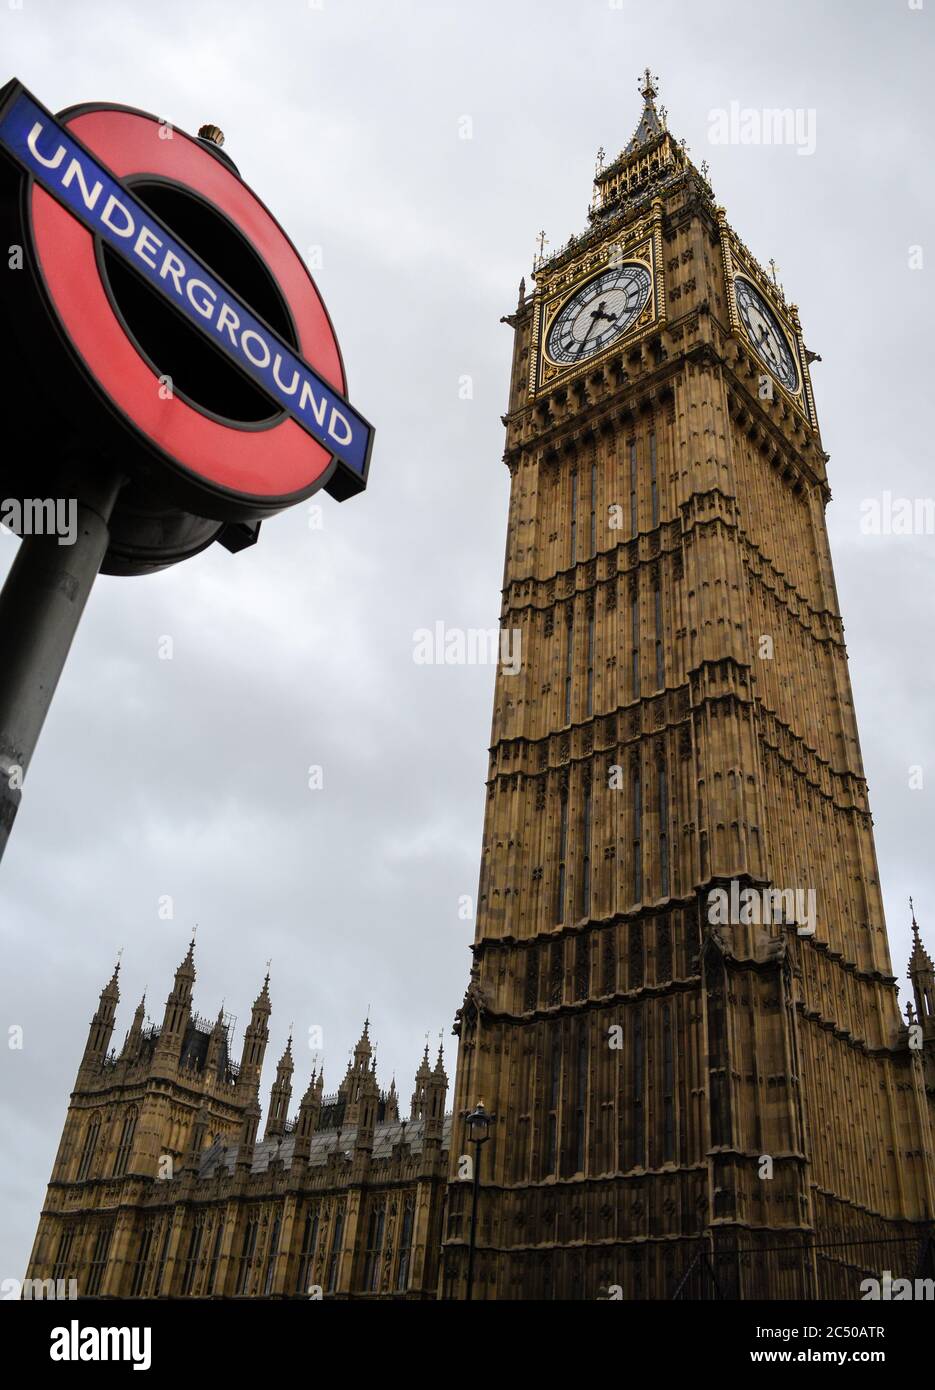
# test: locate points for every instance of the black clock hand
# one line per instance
(599, 313)
(587, 335)
(766, 343)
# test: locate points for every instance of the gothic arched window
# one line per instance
(90, 1146)
(405, 1247)
(247, 1251)
(126, 1144)
(586, 846)
(191, 1255)
(272, 1252)
(307, 1253)
(334, 1264)
(374, 1250)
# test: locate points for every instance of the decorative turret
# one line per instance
(131, 1043)
(359, 1076)
(102, 1024)
(391, 1104)
(309, 1115)
(178, 1006)
(435, 1092)
(423, 1076)
(256, 1036)
(651, 123)
(280, 1096)
(197, 1139)
(367, 1100)
(648, 160)
(217, 1045)
(922, 975)
(363, 1052)
(248, 1130)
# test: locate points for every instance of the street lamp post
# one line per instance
(478, 1131)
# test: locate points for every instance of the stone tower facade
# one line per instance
(681, 1010)
(162, 1188)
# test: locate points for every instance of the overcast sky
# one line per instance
(189, 777)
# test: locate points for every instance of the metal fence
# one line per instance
(809, 1269)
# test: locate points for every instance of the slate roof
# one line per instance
(220, 1157)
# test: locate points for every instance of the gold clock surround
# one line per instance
(554, 293)
(738, 261)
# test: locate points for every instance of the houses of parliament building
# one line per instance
(689, 1101)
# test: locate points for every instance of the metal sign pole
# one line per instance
(40, 607)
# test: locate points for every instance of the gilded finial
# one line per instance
(649, 89)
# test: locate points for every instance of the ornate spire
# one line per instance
(280, 1095)
(922, 975)
(920, 958)
(364, 1049)
(255, 1038)
(187, 968)
(391, 1104)
(649, 162)
(102, 1024)
(112, 989)
(651, 123)
(261, 1003)
(134, 1032)
(423, 1077)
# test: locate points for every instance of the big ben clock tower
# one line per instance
(682, 1011)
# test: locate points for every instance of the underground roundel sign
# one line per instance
(186, 308)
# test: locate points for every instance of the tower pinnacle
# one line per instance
(650, 124)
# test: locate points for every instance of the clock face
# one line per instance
(765, 334)
(599, 312)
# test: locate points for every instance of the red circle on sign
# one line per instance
(271, 466)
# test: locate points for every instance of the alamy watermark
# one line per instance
(887, 1288)
(77, 1343)
(38, 1288)
(887, 515)
(745, 907)
(473, 646)
(41, 516)
(751, 125)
